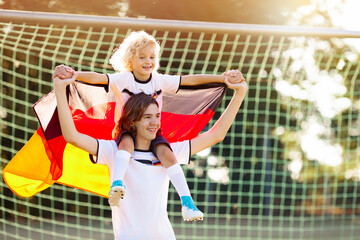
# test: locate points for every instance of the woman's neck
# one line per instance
(142, 144)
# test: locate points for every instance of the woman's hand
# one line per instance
(240, 87)
(234, 76)
(63, 71)
(62, 83)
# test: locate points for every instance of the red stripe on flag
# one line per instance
(100, 128)
(54, 149)
(177, 127)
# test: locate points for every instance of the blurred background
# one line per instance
(320, 13)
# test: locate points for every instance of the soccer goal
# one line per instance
(289, 168)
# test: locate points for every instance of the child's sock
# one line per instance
(117, 190)
(177, 178)
(121, 163)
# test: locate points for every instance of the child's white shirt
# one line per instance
(143, 211)
(125, 81)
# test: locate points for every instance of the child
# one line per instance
(143, 213)
(137, 60)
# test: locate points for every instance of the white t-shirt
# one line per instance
(142, 213)
(157, 84)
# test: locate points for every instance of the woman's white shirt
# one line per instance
(143, 211)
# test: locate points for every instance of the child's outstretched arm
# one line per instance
(199, 79)
(70, 134)
(92, 77)
(233, 76)
(218, 132)
(65, 72)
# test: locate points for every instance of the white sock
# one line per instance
(121, 163)
(177, 178)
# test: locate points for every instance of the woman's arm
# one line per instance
(71, 135)
(218, 132)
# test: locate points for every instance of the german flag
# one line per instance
(46, 158)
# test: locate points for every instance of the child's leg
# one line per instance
(122, 157)
(174, 171)
(177, 178)
(125, 150)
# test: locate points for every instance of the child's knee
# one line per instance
(127, 143)
(165, 155)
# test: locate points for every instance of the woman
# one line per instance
(142, 214)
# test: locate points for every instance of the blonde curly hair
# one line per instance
(132, 46)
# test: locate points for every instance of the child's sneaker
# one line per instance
(117, 192)
(189, 210)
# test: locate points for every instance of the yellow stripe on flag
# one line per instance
(28, 172)
(80, 172)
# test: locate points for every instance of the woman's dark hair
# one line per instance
(132, 111)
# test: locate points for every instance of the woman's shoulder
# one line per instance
(107, 145)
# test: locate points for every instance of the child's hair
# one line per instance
(132, 111)
(130, 47)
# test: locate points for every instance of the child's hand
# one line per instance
(63, 72)
(58, 82)
(234, 76)
(240, 86)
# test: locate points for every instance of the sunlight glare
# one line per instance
(204, 153)
(220, 175)
(319, 148)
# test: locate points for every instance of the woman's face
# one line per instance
(149, 124)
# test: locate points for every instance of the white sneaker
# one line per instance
(189, 211)
(117, 192)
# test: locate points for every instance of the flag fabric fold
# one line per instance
(46, 158)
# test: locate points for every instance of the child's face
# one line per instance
(144, 63)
